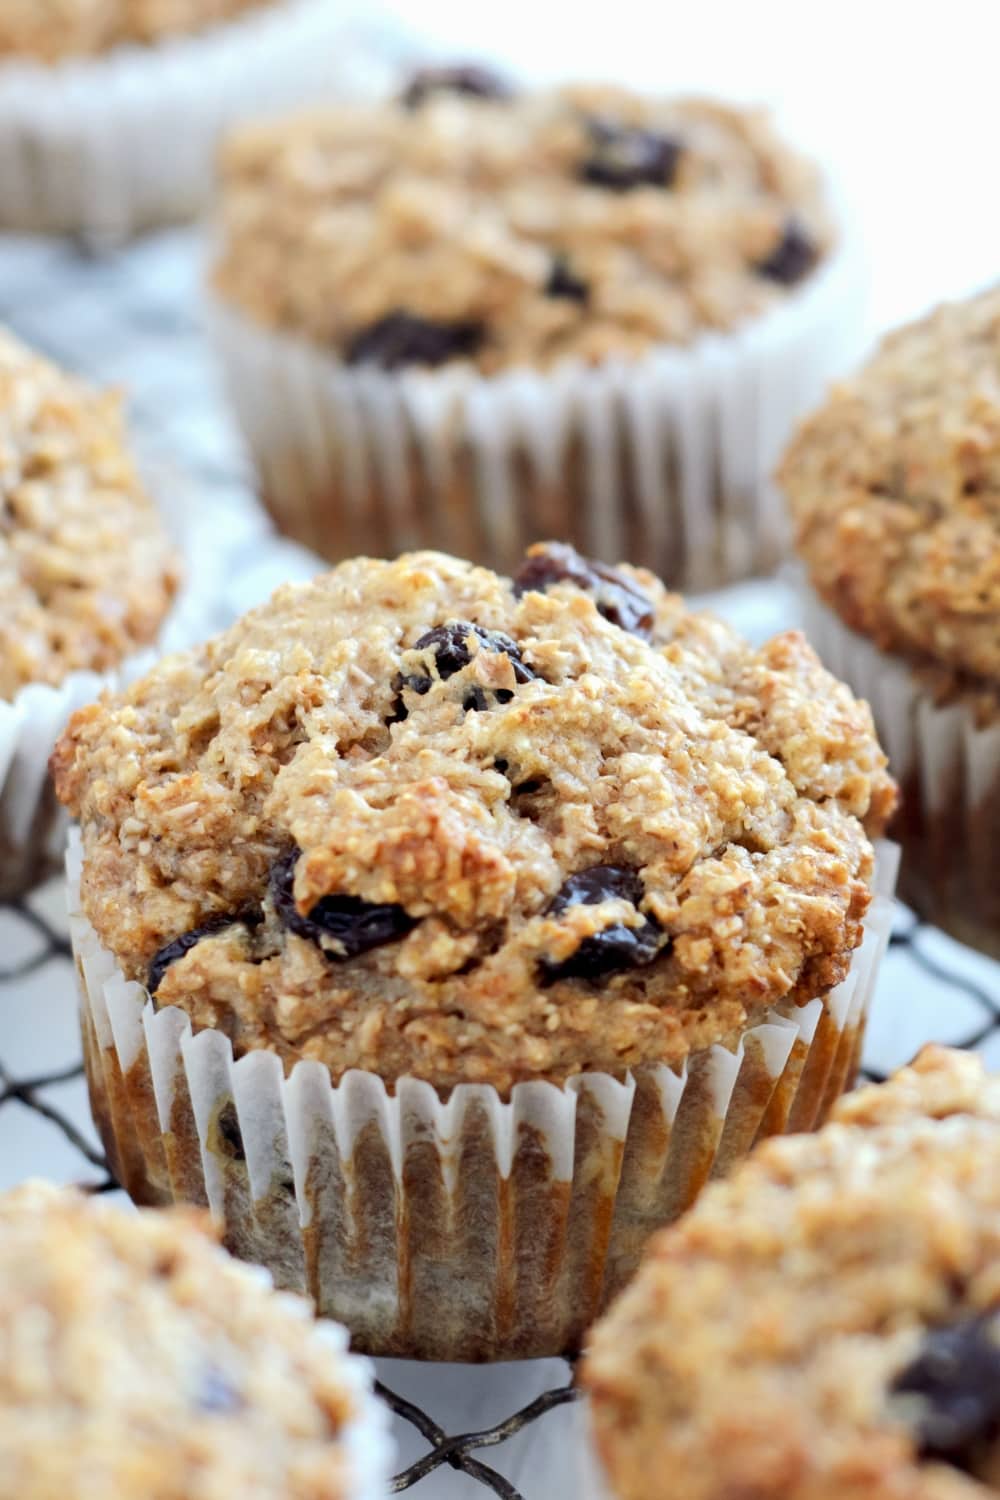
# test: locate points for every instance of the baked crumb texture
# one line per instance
(894, 486)
(52, 31)
(466, 223)
(349, 829)
(139, 1360)
(86, 574)
(826, 1324)
(414, 828)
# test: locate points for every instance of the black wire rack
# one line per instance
(131, 318)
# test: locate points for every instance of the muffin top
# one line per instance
(826, 1323)
(86, 575)
(461, 222)
(53, 30)
(141, 1363)
(894, 487)
(416, 818)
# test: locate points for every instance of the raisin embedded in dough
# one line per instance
(617, 598)
(343, 926)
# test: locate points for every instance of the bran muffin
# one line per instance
(86, 577)
(894, 487)
(826, 1324)
(91, 89)
(140, 1361)
(53, 30)
(416, 827)
(484, 281)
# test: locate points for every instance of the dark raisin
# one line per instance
(343, 926)
(624, 157)
(617, 598)
(217, 1395)
(563, 282)
(957, 1375)
(450, 645)
(416, 684)
(401, 338)
(465, 78)
(615, 948)
(475, 701)
(501, 765)
(177, 947)
(792, 258)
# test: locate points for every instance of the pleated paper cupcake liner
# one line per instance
(471, 1228)
(667, 458)
(947, 761)
(107, 146)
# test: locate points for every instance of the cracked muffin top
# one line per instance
(141, 1363)
(894, 487)
(825, 1325)
(51, 31)
(421, 819)
(86, 574)
(462, 222)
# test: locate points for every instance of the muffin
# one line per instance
(139, 1360)
(86, 579)
(827, 1323)
(894, 486)
(445, 932)
(469, 318)
(90, 91)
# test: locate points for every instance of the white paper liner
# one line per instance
(471, 1228)
(665, 459)
(948, 766)
(110, 145)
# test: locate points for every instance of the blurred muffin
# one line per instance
(524, 906)
(140, 1361)
(469, 318)
(827, 1323)
(86, 579)
(91, 92)
(894, 487)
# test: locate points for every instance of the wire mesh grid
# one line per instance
(132, 318)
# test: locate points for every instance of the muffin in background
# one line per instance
(471, 318)
(87, 577)
(827, 1322)
(111, 110)
(140, 1360)
(894, 488)
(483, 920)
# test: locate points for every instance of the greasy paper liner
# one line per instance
(111, 145)
(948, 767)
(470, 1229)
(665, 460)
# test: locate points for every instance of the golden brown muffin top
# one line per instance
(86, 574)
(462, 222)
(53, 30)
(894, 487)
(416, 818)
(141, 1363)
(825, 1325)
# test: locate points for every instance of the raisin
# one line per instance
(617, 598)
(623, 157)
(563, 282)
(450, 645)
(475, 701)
(617, 947)
(177, 947)
(957, 1374)
(465, 78)
(402, 338)
(792, 258)
(343, 926)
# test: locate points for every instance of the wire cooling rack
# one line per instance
(132, 318)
